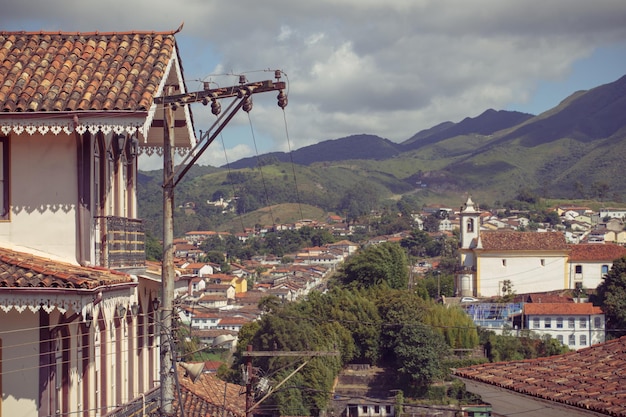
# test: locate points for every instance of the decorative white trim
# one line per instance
(64, 301)
(66, 125)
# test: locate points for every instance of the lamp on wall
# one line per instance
(121, 142)
(155, 304)
(121, 311)
(134, 309)
(134, 147)
(88, 319)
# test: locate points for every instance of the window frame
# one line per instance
(5, 180)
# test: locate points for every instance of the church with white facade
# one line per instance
(493, 262)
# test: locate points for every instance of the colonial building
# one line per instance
(77, 309)
(494, 262)
(576, 325)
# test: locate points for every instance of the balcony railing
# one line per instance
(120, 242)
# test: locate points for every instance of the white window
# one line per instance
(571, 323)
(536, 322)
(559, 338)
(597, 322)
(559, 322)
(547, 323)
(582, 322)
(583, 340)
(572, 340)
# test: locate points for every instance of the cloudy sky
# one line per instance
(384, 67)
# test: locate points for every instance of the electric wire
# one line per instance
(293, 168)
(232, 183)
(260, 169)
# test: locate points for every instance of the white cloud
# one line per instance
(387, 68)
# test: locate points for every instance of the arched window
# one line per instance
(470, 225)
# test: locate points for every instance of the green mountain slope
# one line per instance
(575, 150)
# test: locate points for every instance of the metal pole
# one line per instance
(249, 383)
(167, 268)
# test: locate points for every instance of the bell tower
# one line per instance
(470, 226)
(469, 240)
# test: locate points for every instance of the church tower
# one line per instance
(469, 240)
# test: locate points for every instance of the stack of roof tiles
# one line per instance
(19, 269)
(57, 71)
(592, 378)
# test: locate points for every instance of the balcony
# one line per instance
(120, 242)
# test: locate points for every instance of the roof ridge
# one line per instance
(93, 33)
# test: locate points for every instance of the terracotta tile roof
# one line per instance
(70, 71)
(523, 241)
(209, 396)
(561, 309)
(18, 269)
(596, 252)
(590, 378)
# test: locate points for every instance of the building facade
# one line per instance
(78, 313)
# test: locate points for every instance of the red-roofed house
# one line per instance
(77, 318)
(576, 325)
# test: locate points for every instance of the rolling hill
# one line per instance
(575, 150)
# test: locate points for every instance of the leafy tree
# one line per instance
(416, 243)
(418, 353)
(456, 327)
(611, 295)
(385, 263)
(154, 249)
(431, 223)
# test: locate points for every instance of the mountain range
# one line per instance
(576, 150)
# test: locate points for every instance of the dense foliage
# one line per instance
(611, 295)
(385, 263)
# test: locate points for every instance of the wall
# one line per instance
(43, 195)
(20, 362)
(524, 270)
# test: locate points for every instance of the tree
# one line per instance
(418, 352)
(154, 249)
(385, 263)
(611, 295)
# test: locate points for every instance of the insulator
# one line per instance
(205, 101)
(241, 93)
(247, 104)
(206, 85)
(242, 79)
(277, 75)
(174, 106)
(282, 99)
(216, 107)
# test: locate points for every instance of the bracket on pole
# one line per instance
(241, 92)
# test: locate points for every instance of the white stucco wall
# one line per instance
(20, 362)
(591, 275)
(525, 271)
(43, 195)
(567, 329)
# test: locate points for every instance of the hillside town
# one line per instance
(84, 316)
(539, 265)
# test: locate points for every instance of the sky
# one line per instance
(384, 67)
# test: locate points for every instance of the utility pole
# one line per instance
(167, 368)
(249, 354)
(242, 99)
